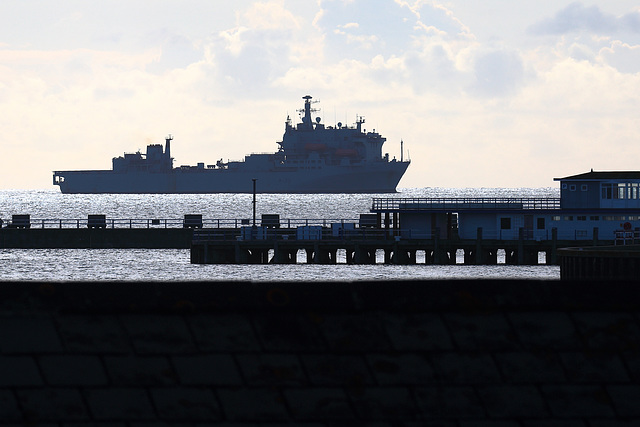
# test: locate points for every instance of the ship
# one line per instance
(311, 158)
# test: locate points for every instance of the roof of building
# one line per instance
(604, 175)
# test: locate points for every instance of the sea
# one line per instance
(105, 265)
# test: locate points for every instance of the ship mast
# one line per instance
(306, 119)
(167, 149)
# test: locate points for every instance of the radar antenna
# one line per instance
(307, 110)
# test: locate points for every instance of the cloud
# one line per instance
(358, 31)
(599, 51)
(623, 57)
(223, 80)
(421, 45)
(176, 51)
(590, 34)
(577, 17)
(266, 40)
(270, 15)
(497, 74)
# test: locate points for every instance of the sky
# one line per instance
(494, 93)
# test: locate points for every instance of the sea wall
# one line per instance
(603, 263)
(96, 238)
(446, 353)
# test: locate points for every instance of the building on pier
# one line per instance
(592, 206)
(596, 208)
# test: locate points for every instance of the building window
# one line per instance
(581, 233)
(594, 218)
(581, 218)
(572, 187)
(568, 218)
(564, 186)
(621, 193)
(540, 223)
(583, 187)
(555, 218)
(606, 191)
(505, 223)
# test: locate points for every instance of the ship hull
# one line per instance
(378, 177)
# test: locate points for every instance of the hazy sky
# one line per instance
(492, 93)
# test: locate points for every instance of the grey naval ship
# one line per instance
(312, 158)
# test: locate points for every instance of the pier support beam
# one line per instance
(401, 256)
(479, 258)
(350, 255)
(284, 256)
(388, 256)
(309, 253)
(529, 257)
(511, 256)
(442, 257)
(520, 252)
(321, 255)
(554, 247)
(258, 256)
(490, 256)
(241, 255)
(364, 255)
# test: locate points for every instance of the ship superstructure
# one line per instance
(312, 158)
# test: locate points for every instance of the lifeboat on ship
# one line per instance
(310, 146)
(344, 152)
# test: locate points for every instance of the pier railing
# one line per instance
(394, 234)
(381, 204)
(169, 223)
(314, 229)
(311, 234)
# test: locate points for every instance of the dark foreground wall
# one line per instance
(445, 353)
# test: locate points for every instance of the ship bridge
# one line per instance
(335, 145)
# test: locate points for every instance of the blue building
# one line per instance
(592, 206)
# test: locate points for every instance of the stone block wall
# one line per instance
(444, 353)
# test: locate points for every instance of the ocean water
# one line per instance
(174, 265)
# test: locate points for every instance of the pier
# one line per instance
(371, 239)
(366, 246)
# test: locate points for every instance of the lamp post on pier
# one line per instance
(254, 201)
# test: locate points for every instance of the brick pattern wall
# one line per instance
(450, 353)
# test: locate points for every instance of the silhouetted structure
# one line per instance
(312, 158)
